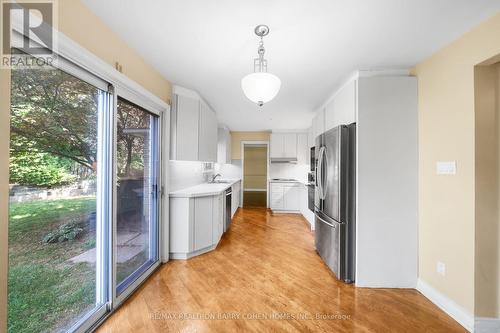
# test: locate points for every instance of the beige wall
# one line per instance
(486, 191)
(81, 25)
(255, 167)
(237, 137)
(446, 133)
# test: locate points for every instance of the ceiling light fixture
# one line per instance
(260, 86)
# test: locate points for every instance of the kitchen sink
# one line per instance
(221, 181)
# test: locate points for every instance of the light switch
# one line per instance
(446, 168)
(441, 268)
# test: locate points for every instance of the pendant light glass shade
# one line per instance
(260, 87)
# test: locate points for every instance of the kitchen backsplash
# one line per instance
(184, 174)
(289, 170)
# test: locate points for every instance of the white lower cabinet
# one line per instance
(196, 225)
(218, 217)
(235, 197)
(304, 206)
(285, 196)
(203, 219)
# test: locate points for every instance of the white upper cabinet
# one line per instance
(318, 123)
(302, 148)
(184, 128)
(224, 146)
(193, 128)
(290, 145)
(208, 134)
(283, 145)
(310, 137)
(341, 110)
(276, 148)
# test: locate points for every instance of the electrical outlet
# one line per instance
(441, 268)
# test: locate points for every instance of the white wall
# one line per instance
(387, 160)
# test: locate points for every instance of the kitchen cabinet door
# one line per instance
(203, 215)
(185, 134)
(291, 195)
(223, 146)
(330, 115)
(310, 137)
(319, 123)
(290, 145)
(208, 135)
(342, 109)
(217, 217)
(277, 145)
(277, 200)
(235, 198)
(302, 148)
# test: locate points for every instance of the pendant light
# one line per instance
(260, 86)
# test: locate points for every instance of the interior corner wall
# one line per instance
(487, 172)
(446, 133)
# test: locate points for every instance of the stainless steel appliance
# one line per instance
(310, 177)
(227, 209)
(334, 200)
(312, 159)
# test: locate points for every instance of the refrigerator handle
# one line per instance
(326, 222)
(324, 159)
(320, 173)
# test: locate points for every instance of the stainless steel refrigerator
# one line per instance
(335, 200)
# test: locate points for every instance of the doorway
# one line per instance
(487, 190)
(255, 171)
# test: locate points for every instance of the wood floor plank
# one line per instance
(265, 276)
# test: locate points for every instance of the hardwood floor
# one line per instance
(264, 265)
(254, 199)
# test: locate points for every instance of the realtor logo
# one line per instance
(27, 29)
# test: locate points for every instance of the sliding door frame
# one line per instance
(78, 61)
(129, 96)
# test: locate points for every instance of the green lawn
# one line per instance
(46, 291)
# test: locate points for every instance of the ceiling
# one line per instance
(209, 45)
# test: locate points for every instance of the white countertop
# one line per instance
(204, 190)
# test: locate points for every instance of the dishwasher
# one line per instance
(227, 209)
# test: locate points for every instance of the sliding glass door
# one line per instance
(57, 232)
(137, 162)
(84, 204)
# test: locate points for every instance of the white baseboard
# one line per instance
(455, 311)
(487, 325)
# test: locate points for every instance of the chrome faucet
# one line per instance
(217, 175)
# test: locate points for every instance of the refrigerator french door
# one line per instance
(335, 200)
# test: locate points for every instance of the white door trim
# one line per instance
(487, 325)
